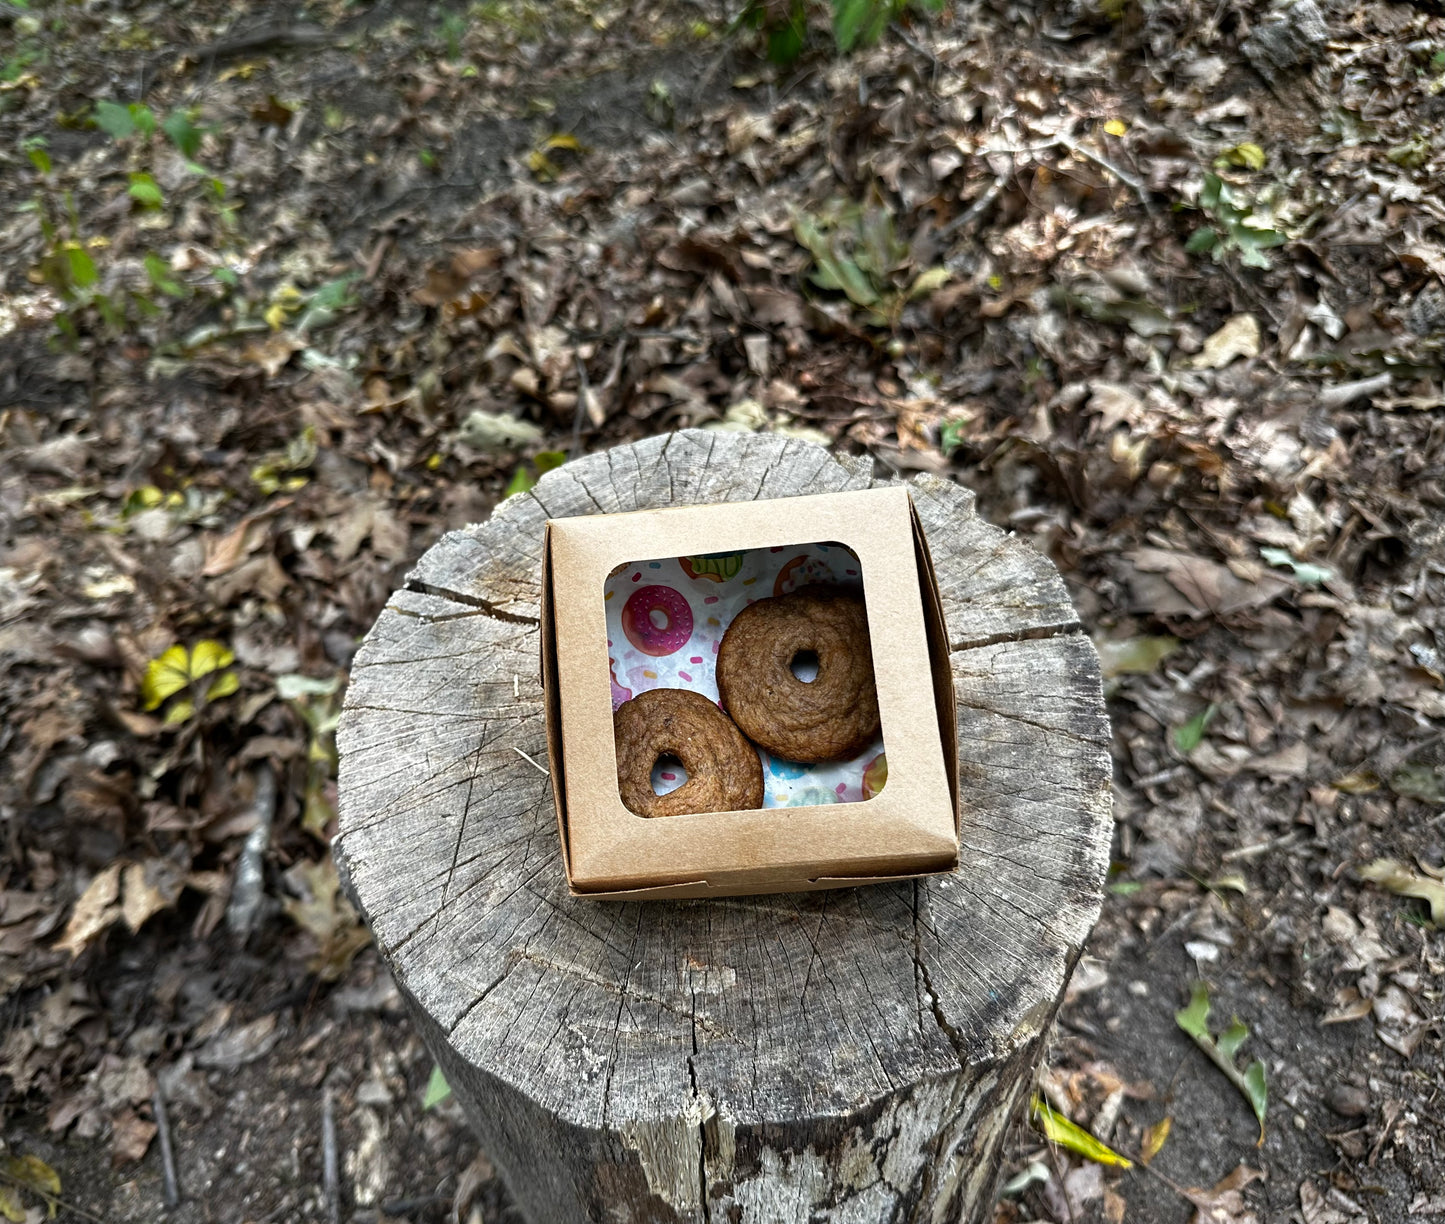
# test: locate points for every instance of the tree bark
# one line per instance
(853, 1055)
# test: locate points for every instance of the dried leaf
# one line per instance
(148, 888)
(327, 916)
(1239, 337)
(1154, 1139)
(1058, 1129)
(1225, 1204)
(1400, 880)
(95, 911)
(130, 1138)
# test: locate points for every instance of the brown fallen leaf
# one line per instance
(148, 888)
(95, 911)
(1224, 1204)
(1200, 586)
(130, 1138)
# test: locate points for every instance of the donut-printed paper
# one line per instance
(665, 621)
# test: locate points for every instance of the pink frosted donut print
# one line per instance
(650, 604)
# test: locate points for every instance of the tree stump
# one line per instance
(853, 1055)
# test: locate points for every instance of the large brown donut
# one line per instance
(831, 718)
(724, 773)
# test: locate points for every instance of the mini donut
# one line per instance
(647, 637)
(724, 773)
(831, 718)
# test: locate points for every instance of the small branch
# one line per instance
(975, 210)
(168, 1158)
(1129, 181)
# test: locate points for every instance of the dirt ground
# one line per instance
(286, 293)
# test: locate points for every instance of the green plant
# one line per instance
(1234, 222)
(857, 252)
(856, 23)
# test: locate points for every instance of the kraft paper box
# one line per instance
(880, 817)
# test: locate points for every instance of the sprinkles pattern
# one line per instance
(665, 621)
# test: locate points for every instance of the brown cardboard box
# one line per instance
(908, 829)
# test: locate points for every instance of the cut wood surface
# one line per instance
(853, 1055)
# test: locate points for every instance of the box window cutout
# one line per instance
(665, 622)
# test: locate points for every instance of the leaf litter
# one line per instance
(328, 329)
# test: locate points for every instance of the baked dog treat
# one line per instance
(724, 773)
(830, 718)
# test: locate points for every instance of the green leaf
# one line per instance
(1188, 737)
(1202, 240)
(1194, 1020)
(1126, 888)
(81, 266)
(161, 278)
(114, 119)
(35, 149)
(522, 480)
(184, 134)
(1304, 572)
(1135, 655)
(143, 118)
(145, 190)
(437, 1089)
(547, 460)
(1058, 1129)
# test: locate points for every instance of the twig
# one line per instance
(168, 1157)
(330, 1178)
(976, 210)
(1134, 184)
(1241, 852)
(1347, 393)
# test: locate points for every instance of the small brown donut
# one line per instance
(830, 718)
(724, 773)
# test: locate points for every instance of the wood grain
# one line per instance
(852, 1055)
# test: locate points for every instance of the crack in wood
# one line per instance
(486, 607)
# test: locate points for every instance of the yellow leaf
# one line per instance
(1154, 1139)
(542, 166)
(95, 911)
(928, 280)
(1058, 1129)
(564, 140)
(223, 686)
(1116, 127)
(179, 711)
(275, 316)
(1361, 782)
(166, 674)
(209, 655)
(33, 1174)
(10, 1206)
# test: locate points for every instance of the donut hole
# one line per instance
(804, 666)
(660, 619)
(668, 773)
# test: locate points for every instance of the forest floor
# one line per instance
(285, 295)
